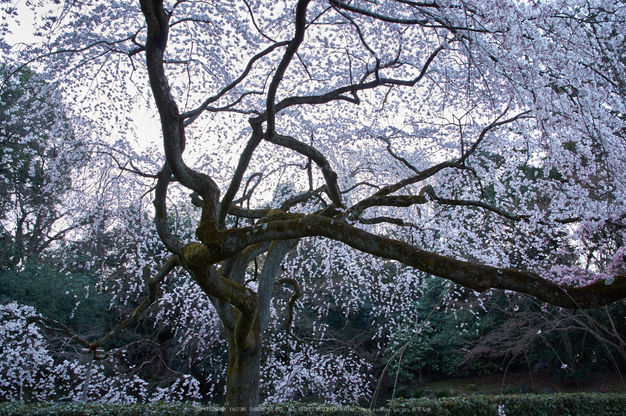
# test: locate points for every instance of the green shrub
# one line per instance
(170, 409)
(575, 404)
(108, 409)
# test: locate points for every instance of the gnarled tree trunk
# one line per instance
(243, 377)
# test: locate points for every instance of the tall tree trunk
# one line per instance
(243, 377)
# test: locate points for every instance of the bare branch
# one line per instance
(297, 293)
(329, 174)
(284, 63)
(490, 127)
(399, 158)
(58, 327)
(191, 116)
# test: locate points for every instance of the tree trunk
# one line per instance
(620, 333)
(243, 378)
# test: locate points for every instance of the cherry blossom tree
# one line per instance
(39, 154)
(481, 142)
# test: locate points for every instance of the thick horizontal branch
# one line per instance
(474, 276)
(355, 211)
(247, 213)
(385, 220)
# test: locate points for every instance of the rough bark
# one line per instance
(243, 377)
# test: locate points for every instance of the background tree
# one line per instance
(39, 150)
(385, 115)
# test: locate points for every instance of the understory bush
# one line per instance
(560, 404)
(573, 404)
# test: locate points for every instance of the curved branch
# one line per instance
(291, 202)
(247, 194)
(490, 127)
(167, 236)
(297, 293)
(377, 16)
(248, 213)
(242, 166)
(254, 22)
(284, 63)
(421, 22)
(214, 284)
(307, 150)
(355, 211)
(358, 31)
(371, 185)
(479, 204)
(58, 327)
(338, 94)
(157, 20)
(235, 270)
(387, 220)
(398, 157)
(427, 173)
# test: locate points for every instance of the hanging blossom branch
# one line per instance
(152, 289)
(152, 285)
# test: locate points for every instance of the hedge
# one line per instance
(558, 404)
(576, 404)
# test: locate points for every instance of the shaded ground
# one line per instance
(522, 382)
(511, 383)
